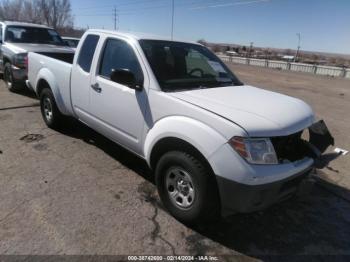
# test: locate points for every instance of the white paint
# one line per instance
(205, 118)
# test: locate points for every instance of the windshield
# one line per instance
(32, 35)
(181, 66)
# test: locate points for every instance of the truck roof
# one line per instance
(139, 36)
(15, 23)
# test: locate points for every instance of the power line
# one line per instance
(187, 4)
(138, 9)
(229, 4)
(127, 11)
(121, 4)
(135, 10)
(130, 3)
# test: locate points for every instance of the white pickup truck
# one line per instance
(216, 146)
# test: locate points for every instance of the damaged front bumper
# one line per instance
(302, 144)
(320, 139)
(241, 198)
(263, 185)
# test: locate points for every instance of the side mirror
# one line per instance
(125, 77)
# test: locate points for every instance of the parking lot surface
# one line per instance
(75, 192)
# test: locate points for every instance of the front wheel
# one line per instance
(187, 188)
(49, 110)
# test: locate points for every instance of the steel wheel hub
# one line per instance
(47, 109)
(180, 187)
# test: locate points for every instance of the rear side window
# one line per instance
(87, 52)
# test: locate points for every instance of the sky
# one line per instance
(324, 25)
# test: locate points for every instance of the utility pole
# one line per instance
(172, 19)
(115, 16)
(298, 48)
(250, 49)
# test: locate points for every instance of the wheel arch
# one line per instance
(46, 79)
(179, 132)
(168, 144)
(42, 84)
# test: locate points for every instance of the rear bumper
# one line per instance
(242, 198)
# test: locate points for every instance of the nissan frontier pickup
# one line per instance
(216, 145)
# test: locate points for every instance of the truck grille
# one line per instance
(291, 148)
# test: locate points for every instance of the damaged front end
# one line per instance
(303, 144)
(292, 174)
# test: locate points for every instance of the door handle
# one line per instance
(96, 87)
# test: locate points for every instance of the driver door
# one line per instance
(117, 109)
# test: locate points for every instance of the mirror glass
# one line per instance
(125, 77)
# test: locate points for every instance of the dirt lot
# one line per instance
(74, 192)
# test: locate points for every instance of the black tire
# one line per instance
(205, 205)
(10, 83)
(52, 116)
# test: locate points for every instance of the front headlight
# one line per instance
(255, 150)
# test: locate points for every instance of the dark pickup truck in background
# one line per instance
(16, 40)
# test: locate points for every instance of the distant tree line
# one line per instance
(53, 13)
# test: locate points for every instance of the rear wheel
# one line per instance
(187, 188)
(10, 83)
(49, 110)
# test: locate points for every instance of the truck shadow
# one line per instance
(26, 92)
(76, 129)
(317, 224)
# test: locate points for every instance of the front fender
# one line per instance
(204, 138)
(49, 77)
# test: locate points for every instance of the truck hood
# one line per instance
(259, 112)
(24, 48)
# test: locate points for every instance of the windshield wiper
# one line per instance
(213, 83)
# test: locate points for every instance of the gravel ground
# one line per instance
(74, 192)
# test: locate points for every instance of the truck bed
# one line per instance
(65, 57)
(57, 68)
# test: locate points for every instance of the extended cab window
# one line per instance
(119, 55)
(87, 52)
